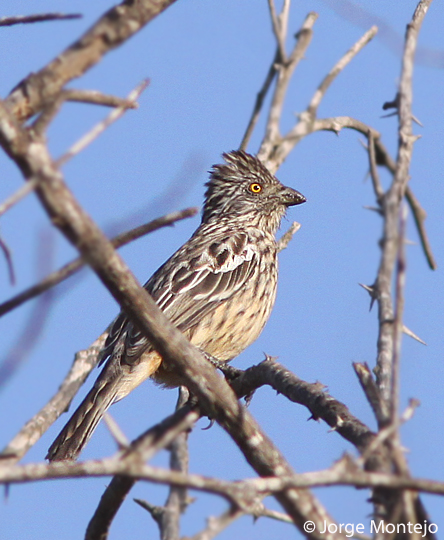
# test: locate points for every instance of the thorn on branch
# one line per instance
(411, 334)
(156, 512)
(371, 289)
(374, 209)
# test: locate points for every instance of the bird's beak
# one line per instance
(291, 197)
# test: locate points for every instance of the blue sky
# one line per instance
(206, 61)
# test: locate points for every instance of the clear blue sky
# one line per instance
(206, 61)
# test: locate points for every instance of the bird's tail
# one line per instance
(82, 424)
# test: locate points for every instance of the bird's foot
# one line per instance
(229, 372)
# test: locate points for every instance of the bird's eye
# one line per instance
(255, 188)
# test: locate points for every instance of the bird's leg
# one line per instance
(229, 372)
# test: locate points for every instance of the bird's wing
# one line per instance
(187, 287)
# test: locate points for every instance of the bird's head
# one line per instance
(243, 187)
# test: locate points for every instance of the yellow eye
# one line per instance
(255, 188)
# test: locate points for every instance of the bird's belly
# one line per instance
(234, 325)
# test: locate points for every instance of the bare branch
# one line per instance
(382, 157)
(97, 98)
(387, 432)
(419, 215)
(25, 19)
(284, 71)
(168, 517)
(244, 494)
(16, 197)
(275, 148)
(259, 103)
(99, 128)
(116, 432)
(371, 391)
(178, 499)
(50, 110)
(111, 30)
(215, 525)
(286, 238)
(311, 395)
(377, 187)
(72, 267)
(346, 59)
(9, 264)
(392, 203)
(398, 324)
(279, 32)
(140, 450)
(84, 362)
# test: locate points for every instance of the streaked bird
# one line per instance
(218, 289)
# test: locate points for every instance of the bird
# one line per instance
(218, 289)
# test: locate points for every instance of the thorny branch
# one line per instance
(243, 493)
(274, 150)
(392, 201)
(405, 506)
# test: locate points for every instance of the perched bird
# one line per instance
(218, 289)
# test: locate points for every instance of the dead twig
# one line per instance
(286, 238)
(244, 494)
(99, 128)
(393, 197)
(94, 97)
(140, 450)
(118, 24)
(259, 103)
(31, 432)
(32, 330)
(9, 264)
(26, 19)
(16, 197)
(272, 135)
(275, 148)
(74, 266)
